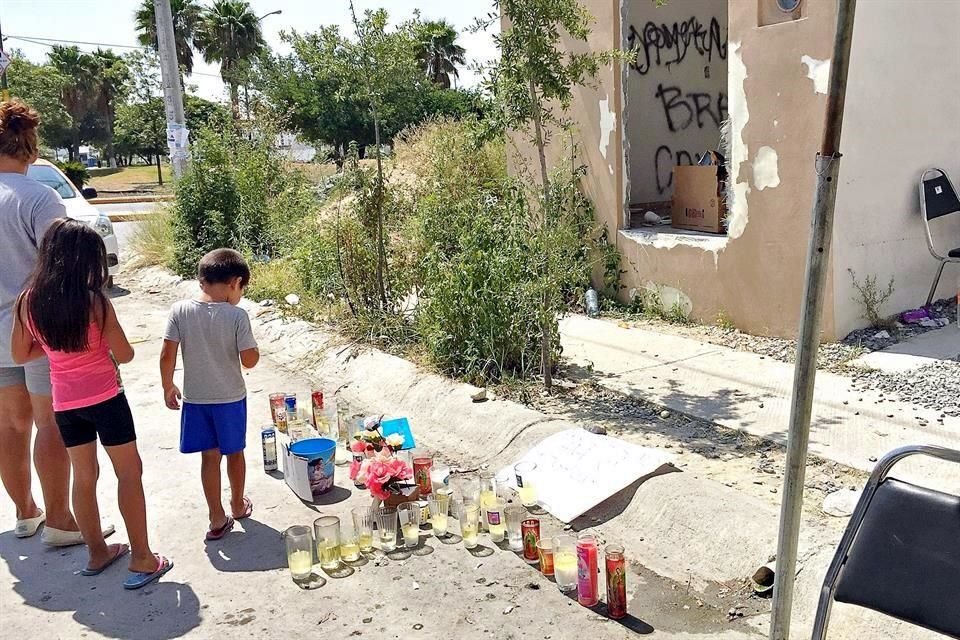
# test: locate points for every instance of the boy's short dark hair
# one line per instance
(220, 266)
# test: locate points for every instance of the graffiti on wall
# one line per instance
(685, 109)
(682, 50)
(667, 45)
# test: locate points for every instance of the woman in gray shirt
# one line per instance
(26, 210)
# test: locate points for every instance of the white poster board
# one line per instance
(577, 470)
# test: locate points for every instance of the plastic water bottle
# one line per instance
(592, 303)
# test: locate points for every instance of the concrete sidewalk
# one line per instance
(748, 392)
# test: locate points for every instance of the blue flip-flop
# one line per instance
(141, 579)
(124, 550)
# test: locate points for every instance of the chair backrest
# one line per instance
(905, 558)
(938, 197)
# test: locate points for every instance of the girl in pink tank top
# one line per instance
(65, 315)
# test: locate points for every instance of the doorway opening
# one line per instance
(676, 103)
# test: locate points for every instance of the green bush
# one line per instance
(471, 276)
(479, 313)
(76, 172)
(488, 277)
(237, 193)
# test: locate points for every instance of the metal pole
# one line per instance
(805, 371)
(172, 92)
(4, 91)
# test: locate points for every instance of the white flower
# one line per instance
(394, 440)
(370, 423)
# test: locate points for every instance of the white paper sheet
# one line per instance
(577, 470)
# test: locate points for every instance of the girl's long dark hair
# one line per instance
(67, 286)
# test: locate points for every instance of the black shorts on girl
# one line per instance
(111, 420)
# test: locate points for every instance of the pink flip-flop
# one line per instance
(142, 579)
(247, 509)
(216, 534)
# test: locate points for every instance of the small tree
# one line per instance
(383, 62)
(532, 85)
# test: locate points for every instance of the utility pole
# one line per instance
(805, 370)
(177, 139)
(4, 91)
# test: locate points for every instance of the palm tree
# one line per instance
(186, 15)
(438, 51)
(79, 72)
(112, 75)
(229, 33)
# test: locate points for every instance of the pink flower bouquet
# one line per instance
(375, 463)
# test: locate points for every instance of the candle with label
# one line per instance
(587, 570)
(616, 581)
(496, 521)
(530, 529)
(488, 496)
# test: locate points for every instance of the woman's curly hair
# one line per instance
(18, 130)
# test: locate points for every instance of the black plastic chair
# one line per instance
(900, 554)
(938, 198)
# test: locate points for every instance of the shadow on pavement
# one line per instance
(629, 621)
(256, 548)
(618, 502)
(47, 580)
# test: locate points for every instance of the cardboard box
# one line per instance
(697, 204)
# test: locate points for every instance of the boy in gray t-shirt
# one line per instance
(215, 338)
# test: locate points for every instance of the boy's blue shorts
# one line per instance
(213, 426)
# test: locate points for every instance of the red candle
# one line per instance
(616, 581)
(587, 570)
(421, 474)
(530, 530)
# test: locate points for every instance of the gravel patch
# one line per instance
(935, 386)
(830, 356)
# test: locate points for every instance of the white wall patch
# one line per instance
(608, 122)
(739, 116)
(819, 72)
(765, 170)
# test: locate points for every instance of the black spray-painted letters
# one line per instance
(683, 110)
(664, 160)
(666, 45)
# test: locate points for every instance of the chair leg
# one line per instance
(936, 281)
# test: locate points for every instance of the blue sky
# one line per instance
(111, 22)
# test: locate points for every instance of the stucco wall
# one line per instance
(676, 89)
(596, 113)
(755, 276)
(902, 110)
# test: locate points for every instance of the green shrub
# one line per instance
(488, 278)
(237, 193)
(76, 172)
(479, 313)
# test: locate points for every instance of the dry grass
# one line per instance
(153, 241)
(140, 179)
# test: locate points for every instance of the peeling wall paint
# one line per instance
(739, 116)
(765, 170)
(608, 123)
(818, 71)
